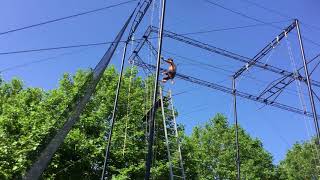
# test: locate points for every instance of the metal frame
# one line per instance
(220, 51)
(275, 89)
(112, 121)
(313, 107)
(139, 62)
(265, 50)
(142, 9)
(155, 94)
(177, 135)
(283, 82)
(244, 68)
(235, 114)
(166, 134)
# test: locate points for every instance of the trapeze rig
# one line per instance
(137, 60)
(273, 90)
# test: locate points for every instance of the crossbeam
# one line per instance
(150, 67)
(265, 50)
(276, 87)
(220, 51)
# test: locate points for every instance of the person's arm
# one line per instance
(169, 62)
(166, 61)
(163, 60)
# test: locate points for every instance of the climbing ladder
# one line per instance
(276, 87)
(172, 141)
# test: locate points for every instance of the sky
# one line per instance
(277, 129)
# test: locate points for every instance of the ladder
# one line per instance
(172, 141)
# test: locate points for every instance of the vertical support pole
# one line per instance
(235, 114)
(305, 65)
(156, 82)
(166, 134)
(107, 154)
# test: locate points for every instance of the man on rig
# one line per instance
(171, 72)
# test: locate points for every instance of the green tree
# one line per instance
(17, 110)
(210, 153)
(301, 162)
(82, 154)
(29, 117)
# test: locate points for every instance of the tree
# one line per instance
(29, 117)
(82, 154)
(301, 162)
(210, 153)
(17, 121)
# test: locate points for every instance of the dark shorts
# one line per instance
(170, 75)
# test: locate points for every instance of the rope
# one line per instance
(298, 84)
(255, 19)
(66, 17)
(254, 78)
(72, 164)
(270, 54)
(26, 64)
(128, 107)
(301, 97)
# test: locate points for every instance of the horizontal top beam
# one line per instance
(228, 54)
(266, 49)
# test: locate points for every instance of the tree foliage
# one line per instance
(211, 153)
(301, 162)
(29, 117)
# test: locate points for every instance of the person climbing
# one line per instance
(171, 72)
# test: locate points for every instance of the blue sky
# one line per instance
(277, 129)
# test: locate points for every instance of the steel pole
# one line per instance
(305, 65)
(166, 134)
(235, 114)
(156, 83)
(107, 155)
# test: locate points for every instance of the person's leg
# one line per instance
(171, 74)
(165, 72)
(165, 79)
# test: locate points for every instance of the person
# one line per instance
(171, 72)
